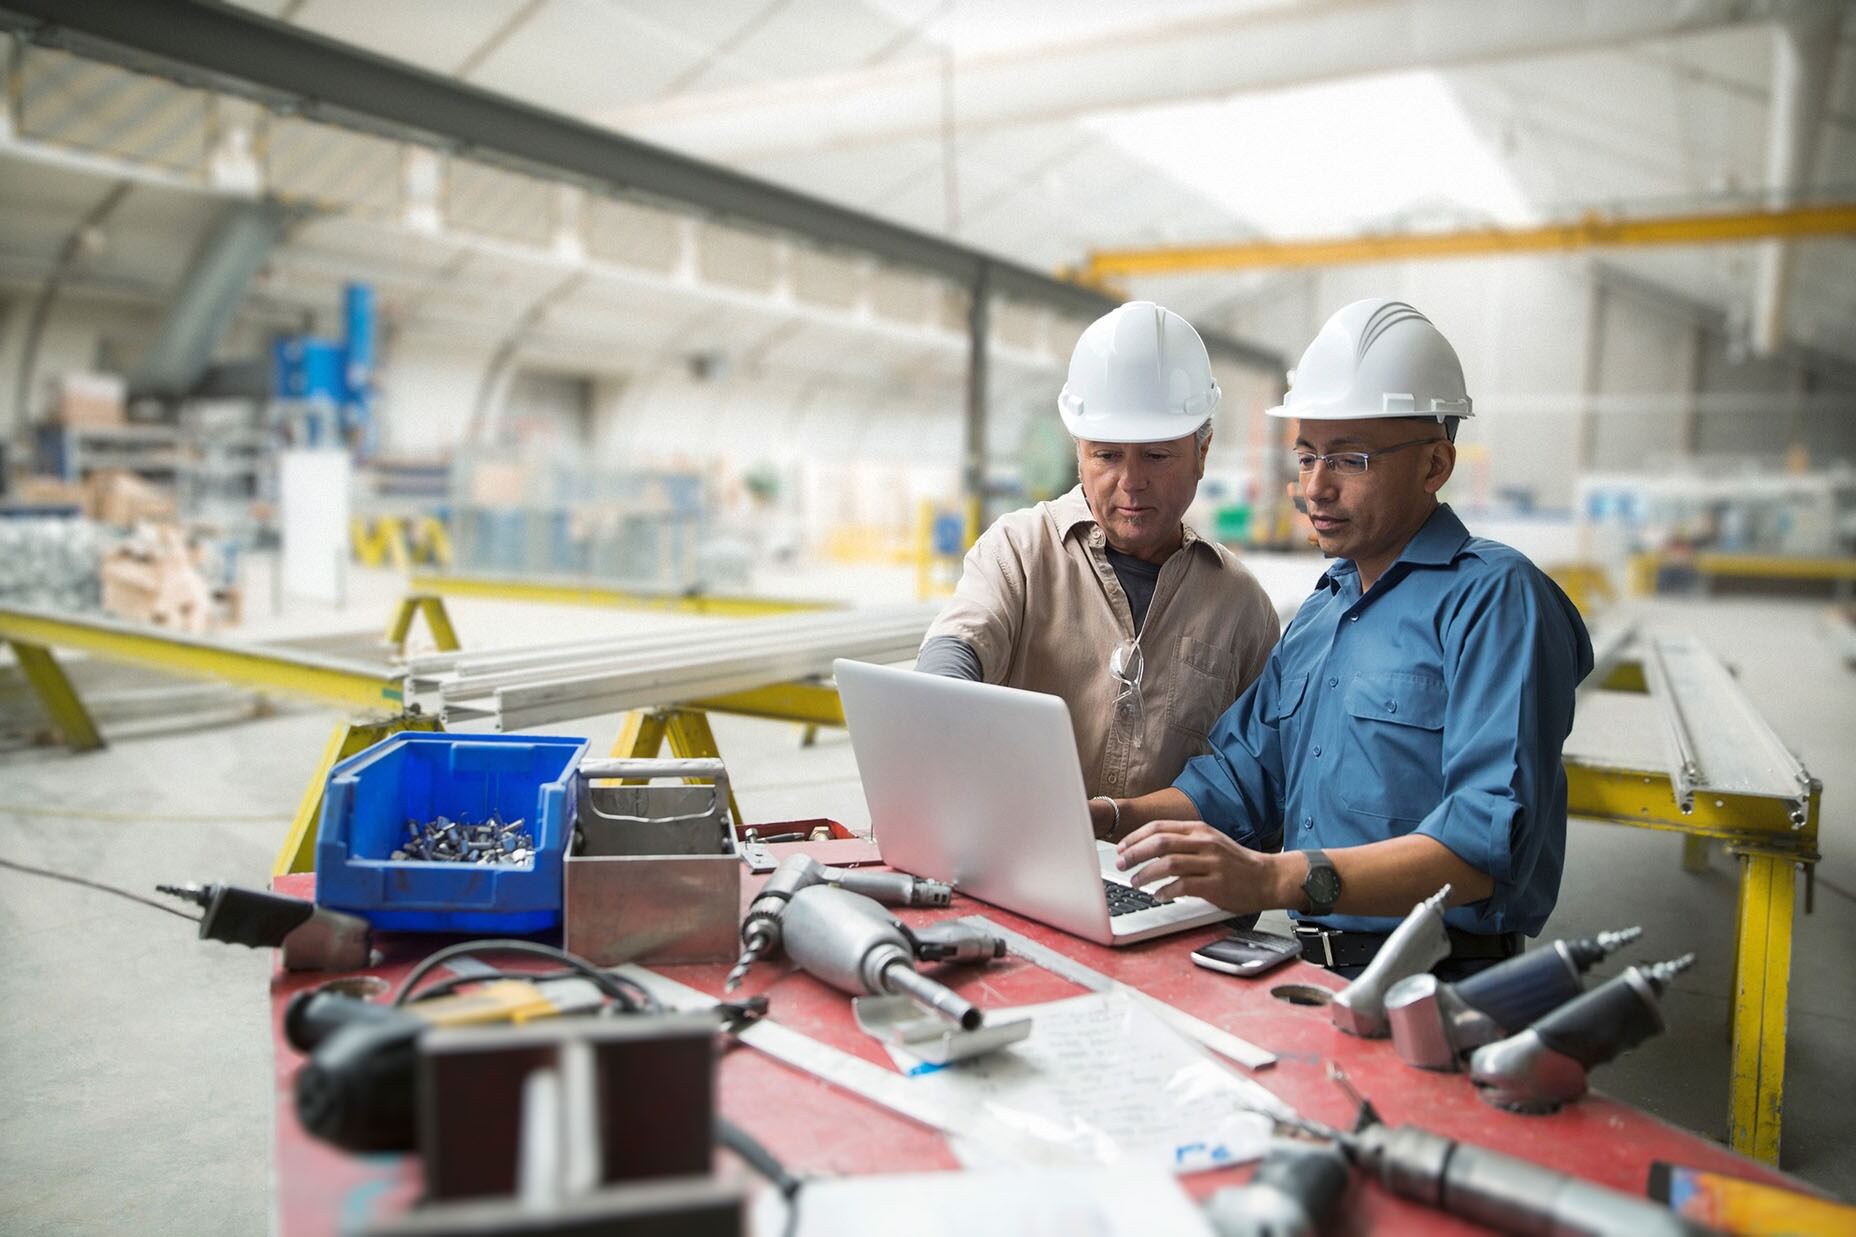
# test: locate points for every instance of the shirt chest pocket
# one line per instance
(1201, 689)
(1392, 749)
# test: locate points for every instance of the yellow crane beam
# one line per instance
(1590, 231)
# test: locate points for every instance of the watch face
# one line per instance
(1322, 885)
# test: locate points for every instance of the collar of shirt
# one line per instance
(1071, 511)
(1436, 544)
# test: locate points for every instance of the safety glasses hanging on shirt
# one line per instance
(1126, 663)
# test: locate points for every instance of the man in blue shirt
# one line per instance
(1406, 732)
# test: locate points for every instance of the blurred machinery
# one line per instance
(323, 390)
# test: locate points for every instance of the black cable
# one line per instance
(628, 1002)
(100, 888)
(628, 994)
(762, 1161)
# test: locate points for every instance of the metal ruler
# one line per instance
(841, 1069)
(1221, 1042)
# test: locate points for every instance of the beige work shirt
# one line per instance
(1039, 603)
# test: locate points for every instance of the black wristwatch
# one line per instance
(1322, 884)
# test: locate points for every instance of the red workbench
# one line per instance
(818, 1129)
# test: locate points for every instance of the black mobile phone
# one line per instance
(1247, 952)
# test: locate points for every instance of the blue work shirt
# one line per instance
(1435, 703)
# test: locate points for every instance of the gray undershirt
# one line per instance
(953, 658)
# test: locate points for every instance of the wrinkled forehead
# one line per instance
(1365, 434)
(1170, 444)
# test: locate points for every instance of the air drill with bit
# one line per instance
(761, 926)
(1545, 1066)
(852, 943)
(1436, 1025)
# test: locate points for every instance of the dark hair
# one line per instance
(1450, 424)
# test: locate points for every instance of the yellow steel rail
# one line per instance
(1772, 842)
(583, 593)
(1590, 231)
(1837, 571)
(809, 703)
(353, 685)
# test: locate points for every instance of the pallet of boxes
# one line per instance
(154, 575)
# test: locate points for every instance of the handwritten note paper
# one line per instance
(1100, 1080)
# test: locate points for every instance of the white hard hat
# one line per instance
(1376, 358)
(1140, 373)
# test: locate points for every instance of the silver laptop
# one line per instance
(980, 786)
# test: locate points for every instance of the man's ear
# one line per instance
(1443, 463)
(1205, 449)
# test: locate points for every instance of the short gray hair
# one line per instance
(1199, 436)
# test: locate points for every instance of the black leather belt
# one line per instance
(1331, 947)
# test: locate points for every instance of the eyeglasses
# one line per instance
(1351, 463)
(1126, 664)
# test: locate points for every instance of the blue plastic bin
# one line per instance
(417, 776)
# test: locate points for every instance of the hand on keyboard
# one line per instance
(1126, 899)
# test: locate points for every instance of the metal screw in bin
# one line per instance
(447, 841)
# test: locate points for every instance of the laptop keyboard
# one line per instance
(1126, 899)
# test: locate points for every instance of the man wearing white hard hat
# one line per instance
(1406, 733)
(1104, 596)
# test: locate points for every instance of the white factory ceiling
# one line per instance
(1678, 122)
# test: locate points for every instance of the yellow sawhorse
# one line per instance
(432, 607)
(686, 728)
(76, 728)
(298, 853)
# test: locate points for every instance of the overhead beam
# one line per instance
(1153, 60)
(1804, 53)
(1592, 231)
(216, 46)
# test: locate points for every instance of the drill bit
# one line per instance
(199, 895)
(1587, 951)
(752, 950)
(1660, 973)
(1364, 1114)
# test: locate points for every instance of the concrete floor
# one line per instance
(138, 1063)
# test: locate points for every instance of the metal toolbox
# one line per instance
(652, 874)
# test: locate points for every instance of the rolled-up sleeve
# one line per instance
(1238, 786)
(988, 606)
(1515, 653)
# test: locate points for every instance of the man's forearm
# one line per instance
(1163, 804)
(1389, 878)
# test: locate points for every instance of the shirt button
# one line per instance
(1391, 706)
(1308, 822)
(1353, 618)
(1332, 682)
(1317, 749)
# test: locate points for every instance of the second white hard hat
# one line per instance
(1140, 373)
(1376, 358)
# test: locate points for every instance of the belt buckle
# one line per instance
(1327, 936)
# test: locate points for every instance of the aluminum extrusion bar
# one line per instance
(544, 703)
(1737, 752)
(220, 46)
(575, 591)
(674, 667)
(482, 666)
(356, 685)
(1680, 744)
(866, 630)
